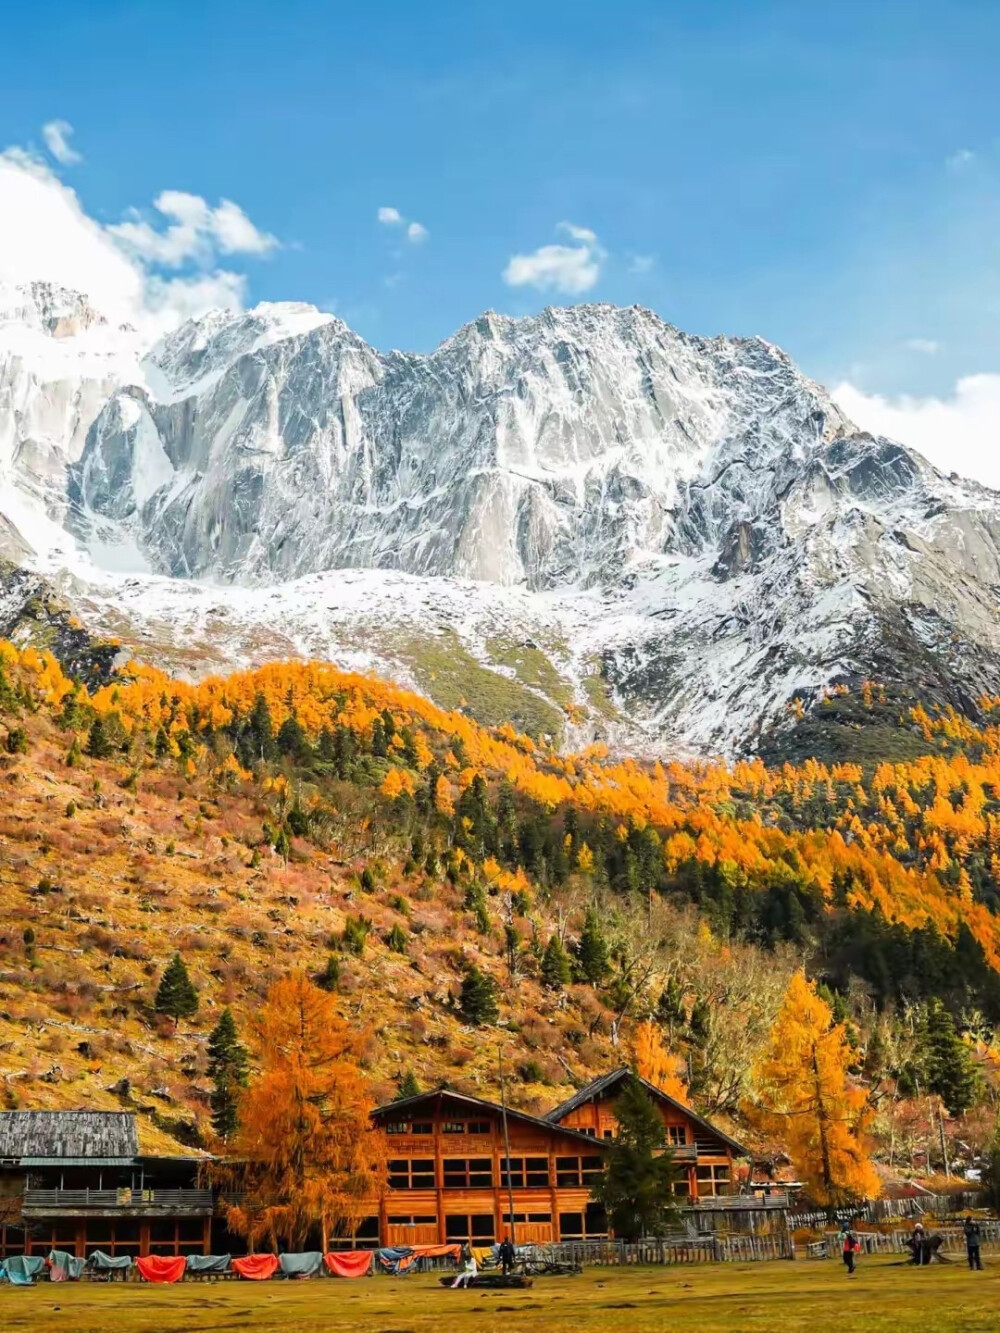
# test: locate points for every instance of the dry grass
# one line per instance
(801, 1297)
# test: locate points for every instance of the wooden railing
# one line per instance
(670, 1250)
(68, 1201)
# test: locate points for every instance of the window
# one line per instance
(478, 1227)
(479, 1127)
(422, 1127)
(468, 1172)
(713, 1179)
(530, 1171)
(676, 1135)
(590, 1132)
(398, 1127)
(412, 1221)
(409, 1127)
(527, 1217)
(411, 1173)
(578, 1170)
(453, 1127)
(681, 1188)
(609, 1133)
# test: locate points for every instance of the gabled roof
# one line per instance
(56, 1136)
(607, 1083)
(464, 1101)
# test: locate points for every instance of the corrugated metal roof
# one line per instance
(607, 1082)
(59, 1135)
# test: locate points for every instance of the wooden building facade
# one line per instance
(703, 1154)
(448, 1170)
(77, 1181)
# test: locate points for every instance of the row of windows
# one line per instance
(676, 1135)
(425, 1127)
(417, 1173)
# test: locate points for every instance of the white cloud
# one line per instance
(416, 232)
(928, 346)
(195, 231)
(572, 269)
(959, 433)
(46, 236)
(964, 157)
(641, 263)
(578, 233)
(56, 134)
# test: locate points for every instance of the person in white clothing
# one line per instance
(469, 1270)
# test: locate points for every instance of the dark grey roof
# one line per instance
(608, 1082)
(57, 1135)
(464, 1100)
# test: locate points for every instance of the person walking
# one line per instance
(507, 1255)
(850, 1245)
(971, 1229)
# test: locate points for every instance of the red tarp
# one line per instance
(162, 1267)
(349, 1263)
(257, 1267)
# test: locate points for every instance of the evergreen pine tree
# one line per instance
(329, 978)
(228, 1070)
(478, 1002)
(98, 743)
(408, 1086)
(670, 1006)
(176, 995)
(948, 1061)
(556, 971)
(262, 746)
(592, 950)
(637, 1186)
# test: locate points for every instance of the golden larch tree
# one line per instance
(806, 1099)
(652, 1061)
(309, 1156)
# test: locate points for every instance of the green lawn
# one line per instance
(809, 1295)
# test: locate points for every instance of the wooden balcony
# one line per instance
(117, 1203)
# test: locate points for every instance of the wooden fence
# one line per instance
(669, 1250)
(894, 1242)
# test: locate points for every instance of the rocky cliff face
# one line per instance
(691, 516)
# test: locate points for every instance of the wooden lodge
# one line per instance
(81, 1181)
(78, 1181)
(448, 1175)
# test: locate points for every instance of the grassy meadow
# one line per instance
(817, 1296)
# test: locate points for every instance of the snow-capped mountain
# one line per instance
(691, 522)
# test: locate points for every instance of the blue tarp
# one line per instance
(22, 1269)
(65, 1266)
(300, 1265)
(389, 1257)
(102, 1261)
(209, 1263)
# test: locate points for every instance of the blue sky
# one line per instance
(827, 175)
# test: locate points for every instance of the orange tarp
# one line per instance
(162, 1267)
(256, 1267)
(349, 1263)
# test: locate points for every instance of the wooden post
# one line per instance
(944, 1148)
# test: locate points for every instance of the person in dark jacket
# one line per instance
(506, 1255)
(849, 1246)
(971, 1229)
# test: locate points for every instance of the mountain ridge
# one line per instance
(690, 531)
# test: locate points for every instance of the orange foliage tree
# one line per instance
(652, 1061)
(309, 1156)
(806, 1099)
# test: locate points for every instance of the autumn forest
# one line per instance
(760, 940)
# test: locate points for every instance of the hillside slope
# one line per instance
(274, 819)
